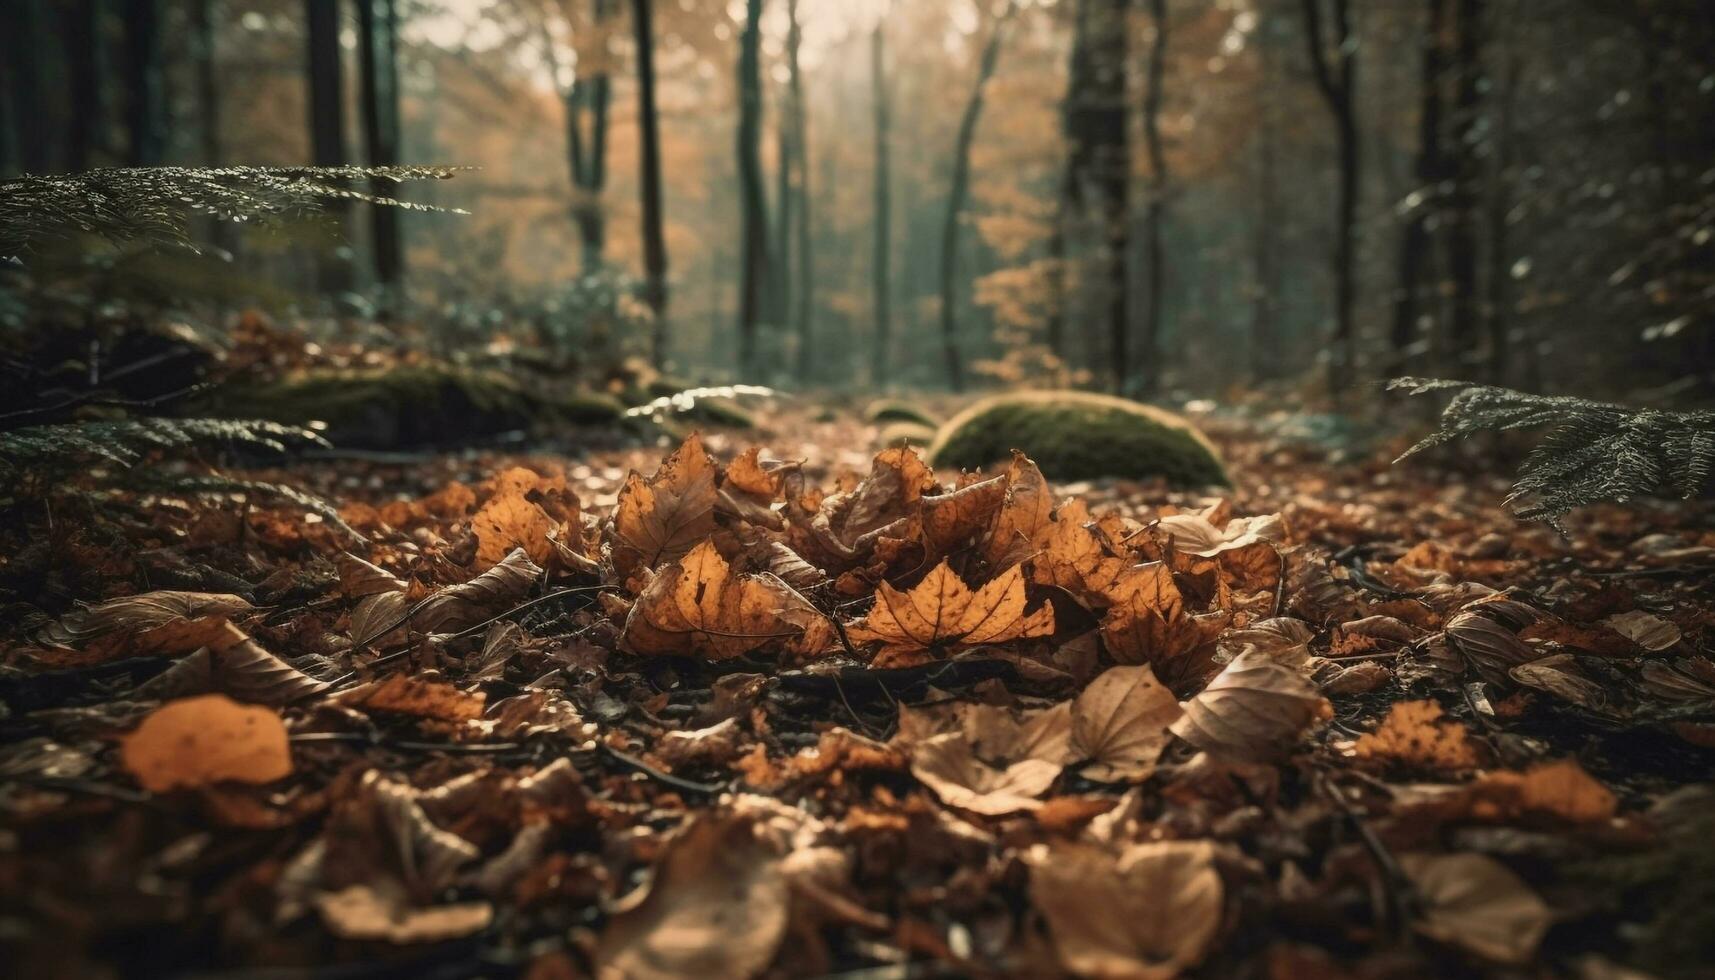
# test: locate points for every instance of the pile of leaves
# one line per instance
(766, 718)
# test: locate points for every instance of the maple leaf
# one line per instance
(1073, 558)
(662, 518)
(1147, 622)
(844, 529)
(697, 607)
(941, 612)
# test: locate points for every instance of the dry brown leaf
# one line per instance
(511, 520)
(1151, 913)
(1146, 623)
(1253, 711)
(379, 913)
(1414, 733)
(747, 475)
(697, 607)
(948, 765)
(1026, 512)
(376, 615)
(418, 697)
(1120, 722)
(1475, 903)
(1282, 639)
(203, 740)
(1195, 534)
(1073, 558)
(942, 612)
(984, 758)
(131, 615)
(662, 518)
(359, 578)
(1491, 647)
(952, 520)
(845, 529)
(716, 907)
(458, 606)
(235, 666)
(1645, 629)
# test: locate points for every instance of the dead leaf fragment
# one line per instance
(203, 740)
(716, 907)
(1475, 903)
(1120, 723)
(698, 607)
(364, 912)
(942, 612)
(1414, 733)
(1253, 711)
(1151, 913)
(418, 697)
(1645, 629)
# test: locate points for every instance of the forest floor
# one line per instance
(816, 711)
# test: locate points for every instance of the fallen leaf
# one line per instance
(1026, 511)
(716, 907)
(1253, 711)
(1073, 558)
(942, 612)
(1475, 903)
(1645, 629)
(1196, 535)
(203, 740)
(1283, 639)
(469, 603)
(1559, 789)
(1150, 913)
(359, 578)
(1414, 733)
(235, 666)
(151, 623)
(419, 697)
(511, 520)
(1120, 722)
(984, 758)
(948, 764)
(369, 913)
(697, 607)
(661, 519)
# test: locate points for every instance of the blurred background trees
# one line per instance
(1171, 198)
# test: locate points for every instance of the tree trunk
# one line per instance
(586, 107)
(1464, 217)
(801, 144)
(1414, 249)
(378, 34)
(754, 244)
(327, 123)
(881, 287)
(145, 98)
(85, 66)
(1336, 84)
(780, 250)
(1101, 161)
(1499, 300)
(649, 181)
(1149, 378)
(1265, 239)
(956, 194)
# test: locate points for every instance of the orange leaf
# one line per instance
(942, 611)
(696, 606)
(204, 740)
(662, 518)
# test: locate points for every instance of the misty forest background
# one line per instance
(1169, 198)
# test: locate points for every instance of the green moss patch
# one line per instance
(884, 410)
(1076, 435)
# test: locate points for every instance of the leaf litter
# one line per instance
(664, 717)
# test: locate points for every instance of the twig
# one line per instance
(1396, 886)
(666, 778)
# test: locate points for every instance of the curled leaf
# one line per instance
(1254, 710)
(1119, 723)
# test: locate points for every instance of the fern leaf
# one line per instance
(1593, 451)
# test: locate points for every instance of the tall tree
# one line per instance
(1464, 214)
(1100, 162)
(327, 122)
(801, 164)
(754, 242)
(145, 93)
(81, 31)
(378, 59)
(586, 100)
(881, 286)
(649, 182)
(1417, 242)
(959, 189)
(1155, 258)
(1336, 80)
(1265, 227)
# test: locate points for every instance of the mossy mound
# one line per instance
(412, 405)
(896, 434)
(1075, 435)
(884, 410)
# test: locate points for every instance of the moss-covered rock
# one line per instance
(896, 434)
(1076, 435)
(411, 405)
(884, 410)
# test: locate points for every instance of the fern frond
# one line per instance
(155, 204)
(1593, 452)
(56, 448)
(214, 484)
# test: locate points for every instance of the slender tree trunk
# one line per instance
(24, 86)
(881, 353)
(780, 250)
(1265, 238)
(378, 38)
(801, 163)
(1096, 127)
(1464, 216)
(586, 107)
(1416, 243)
(754, 243)
(145, 97)
(649, 180)
(1499, 301)
(85, 65)
(958, 190)
(1149, 376)
(1336, 83)
(327, 122)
